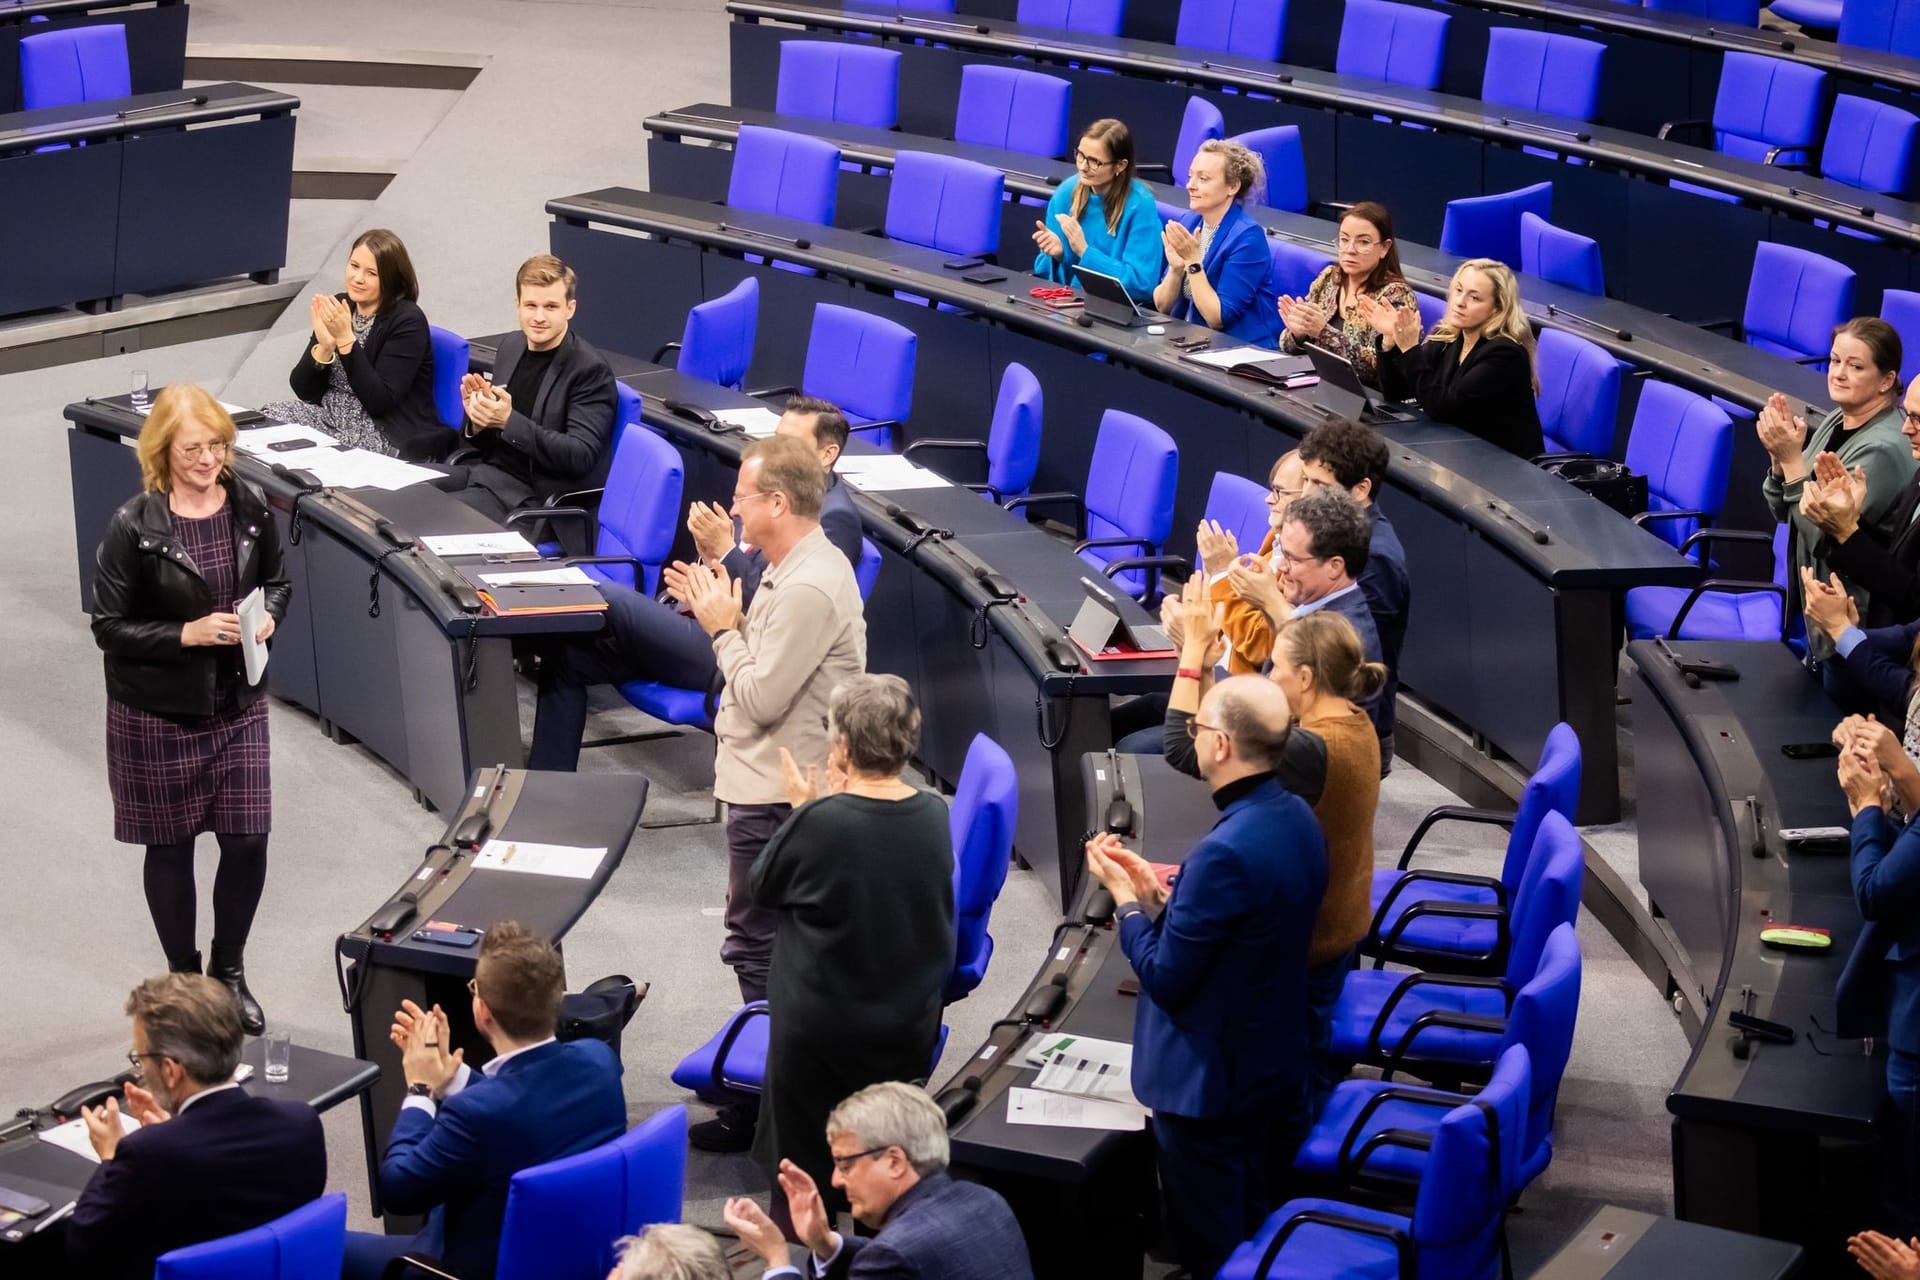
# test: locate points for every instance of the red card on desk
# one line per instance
(1118, 653)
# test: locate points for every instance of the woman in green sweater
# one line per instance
(1863, 431)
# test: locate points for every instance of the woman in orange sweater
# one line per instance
(1318, 661)
(1247, 587)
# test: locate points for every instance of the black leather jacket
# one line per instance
(145, 589)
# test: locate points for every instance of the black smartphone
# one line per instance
(1808, 750)
(988, 276)
(288, 446)
(964, 264)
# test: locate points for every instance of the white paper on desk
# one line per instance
(1056, 1110)
(258, 441)
(756, 423)
(1232, 356)
(503, 543)
(361, 469)
(885, 472)
(1089, 1068)
(253, 616)
(565, 576)
(72, 1136)
(567, 860)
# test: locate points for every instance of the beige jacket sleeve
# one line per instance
(799, 632)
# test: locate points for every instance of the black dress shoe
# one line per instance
(730, 1130)
(227, 967)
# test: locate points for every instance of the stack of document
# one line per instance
(570, 861)
(881, 472)
(1083, 1083)
(504, 543)
(755, 424)
(315, 452)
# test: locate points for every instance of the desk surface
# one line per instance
(166, 109)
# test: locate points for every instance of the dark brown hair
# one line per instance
(390, 259)
(1882, 342)
(522, 981)
(829, 421)
(1118, 140)
(1387, 270)
(541, 270)
(192, 1019)
(1325, 643)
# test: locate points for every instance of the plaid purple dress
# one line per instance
(173, 778)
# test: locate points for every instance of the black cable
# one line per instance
(977, 629)
(913, 544)
(373, 579)
(472, 680)
(293, 524)
(1066, 720)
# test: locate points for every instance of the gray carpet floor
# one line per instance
(556, 110)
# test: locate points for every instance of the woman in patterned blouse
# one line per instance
(1330, 316)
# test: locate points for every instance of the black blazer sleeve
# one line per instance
(109, 1221)
(385, 375)
(119, 624)
(841, 523)
(745, 569)
(309, 376)
(1400, 371)
(1893, 585)
(579, 442)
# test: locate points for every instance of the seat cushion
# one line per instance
(1366, 992)
(1716, 615)
(665, 702)
(1315, 1252)
(1433, 933)
(1320, 1153)
(745, 1070)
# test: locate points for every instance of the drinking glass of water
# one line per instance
(138, 397)
(279, 1056)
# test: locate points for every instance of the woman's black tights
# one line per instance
(172, 899)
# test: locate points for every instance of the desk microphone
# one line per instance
(957, 1101)
(1099, 906)
(301, 480)
(1045, 1003)
(800, 243)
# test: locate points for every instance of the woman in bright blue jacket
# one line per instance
(1219, 271)
(1102, 218)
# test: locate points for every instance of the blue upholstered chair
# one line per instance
(1733, 13)
(1683, 444)
(1564, 257)
(1095, 17)
(1901, 309)
(1393, 42)
(74, 64)
(945, 203)
(1795, 298)
(848, 83)
(639, 512)
(1199, 123)
(1127, 510)
(1579, 398)
(582, 506)
(784, 173)
(1013, 110)
(717, 344)
(1285, 161)
(1872, 145)
(1461, 944)
(1295, 266)
(1892, 25)
(1818, 18)
(1717, 608)
(863, 363)
(306, 1244)
(1244, 28)
(1489, 226)
(1433, 307)
(1012, 446)
(1239, 506)
(1765, 109)
(451, 356)
(1538, 71)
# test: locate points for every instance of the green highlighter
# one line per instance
(1796, 937)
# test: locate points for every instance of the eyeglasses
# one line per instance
(845, 1163)
(1292, 559)
(1912, 419)
(1281, 492)
(134, 1057)
(739, 498)
(194, 452)
(1195, 725)
(1362, 243)
(1086, 161)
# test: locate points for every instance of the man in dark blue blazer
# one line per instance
(208, 1160)
(645, 639)
(461, 1135)
(1220, 1033)
(890, 1152)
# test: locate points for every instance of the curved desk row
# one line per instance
(156, 38)
(1664, 249)
(1774, 1139)
(171, 189)
(1515, 572)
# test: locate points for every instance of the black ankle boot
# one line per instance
(227, 968)
(189, 963)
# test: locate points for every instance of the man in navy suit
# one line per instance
(208, 1160)
(461, 1135)
(1220, 1032)
(889, 1144)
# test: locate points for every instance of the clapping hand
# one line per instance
(1202, 645)
(1861, 777)
(713, 596)
(1828, 604)
(1885, 1258)
(1072, 233)
(1181, 247)
(104, 1129)
(805, 1209)
(1218, 547)
(757, 1231)
(1143, 885)
(1255, 583)
(1173, 618)
(1834, 496)
(319, 310)
(423, 1038)
(1399, 327)
(1783, 434)
(712, 530)
(333, 323)
(142, 1107)
(800, 787)
(1304, 320)
(1047, 242)
(1867, 736)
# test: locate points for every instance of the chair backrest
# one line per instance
(986, 804)
(1683, 444)
(784, 173)
(1542, 1020)
(1239, 506)
(1562, 256)
(1579, 398)
(1489, 226)
(1095, 17)
(1246, 28)
(563, 1217)
(640, 511)
(1548, 897)
(1013, 438)
(1763, 103)
(1871, 145)
(1285, 161)
(451, 353)
(1893, 25)
(717, 344)
(1432, 308)
(867, 572)
(74, 64)
(1295, 266)
(1201, 122)
(1733, 13)
(1395, 42)
(1539, 71)
(1013, 110)
(862, 363)
(850, 83)
(1130, 482)
(1553, 787)
(1795, 300)
(945, 203)
(1458, 1209)
(1901, 309)
(306, 1244)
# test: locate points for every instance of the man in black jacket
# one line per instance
(208, 1160)
(543, 424)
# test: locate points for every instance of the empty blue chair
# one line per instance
(1733, 13)
(451, 355)
(639, 512)
(581, 506)
(1537, 71)
(1717, 608)
(1127, 510)
(1564, 257)
(1239, 506)
(74, 64)
(783, 173)
(1683, 444)
(1285, 161)
(1432, 308)
(1579, 398)
(1489, 226)
(945, 203)
(848, 83)
(986, 805)
(1012, 446)
(1394, 42)
(864, 364)
(1892, 25)
(1819, 18)
(1901, 309)
(1295, 266)
(1456, 944)
(1245, 28)
(1095, 17)
(1765, 110)
(1795, 299)
(717, 344)
(306, 1244)
(1013, 110)
(1871, 145)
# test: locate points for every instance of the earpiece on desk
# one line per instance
(1099, 906)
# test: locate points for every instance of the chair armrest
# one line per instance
(1687, 130)
(1390, 947)
(1452, 813)
(1542, 459)
(761, 393)
(661, 355)
(573, 498)
(1773, 158)
(1438, 1099)
(1734, 328)
(1154, 168)
(589, 521)
(1074, 500)
(1321, 208)
(415, 1264)
(1088, 543)
(757, 1009)
(1726, 535)
(978, 446)
(1413, 980)
(1647, 517)
(1180, 565)
(1415, 874)
(1812, 360)
(857, 427)
(1353, 1164)
(985, 488)
(637, 567)
(1402, 1243)
(1734, 586)
(1396, 1058)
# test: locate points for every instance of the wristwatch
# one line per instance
(1128, 909)
(420, 1089)
(1195, 268)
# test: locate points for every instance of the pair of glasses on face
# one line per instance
(195, 452)
(845, 1163)
(1195, 725)
(1086, 161)
(1297, 561)
(138, 1061)
(1281, 493)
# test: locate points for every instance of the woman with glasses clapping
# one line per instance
(1102, 218)
(186, 731)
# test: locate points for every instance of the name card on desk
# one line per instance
(886, 472)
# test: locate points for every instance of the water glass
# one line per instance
(279, 1045)
(138, 395)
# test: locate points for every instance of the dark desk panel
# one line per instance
(1626, 1244)
(156, 38)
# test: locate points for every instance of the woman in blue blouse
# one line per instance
(1219, 271)
(1102, 218)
